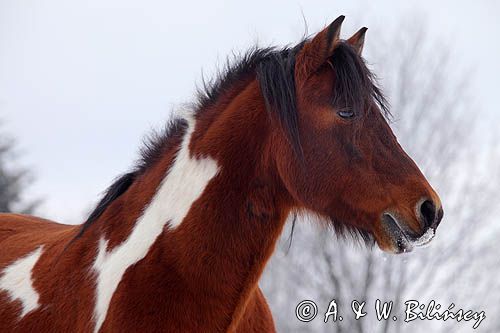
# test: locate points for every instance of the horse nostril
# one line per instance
(428, 214)
(440, 215)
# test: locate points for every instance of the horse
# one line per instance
(178, 243)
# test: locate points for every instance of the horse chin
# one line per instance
(398, 239)
(346, 230)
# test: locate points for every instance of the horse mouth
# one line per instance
(403, 240)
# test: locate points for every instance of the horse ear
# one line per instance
(317, 51)
(358, 40)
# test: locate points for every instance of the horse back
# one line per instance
(21, 234)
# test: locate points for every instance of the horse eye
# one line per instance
(346, 114)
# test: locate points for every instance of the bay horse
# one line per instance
(178, 244)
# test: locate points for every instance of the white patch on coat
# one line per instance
(17, 281)
(183, 185)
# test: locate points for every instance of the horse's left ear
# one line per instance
(316, 52)
(357, 40)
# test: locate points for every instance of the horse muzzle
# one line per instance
(400, 238)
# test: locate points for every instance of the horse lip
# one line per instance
(400, 237)
(404, 239)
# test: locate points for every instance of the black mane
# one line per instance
(154, 146)
(274, 69)
(355, 85)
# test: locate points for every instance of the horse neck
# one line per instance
(213, 206)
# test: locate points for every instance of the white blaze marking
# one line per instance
(183, 184)
(16, 281)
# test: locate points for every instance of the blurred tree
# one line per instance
(13, 180)
(435, 121)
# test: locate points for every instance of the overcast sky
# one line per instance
(81, 82)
